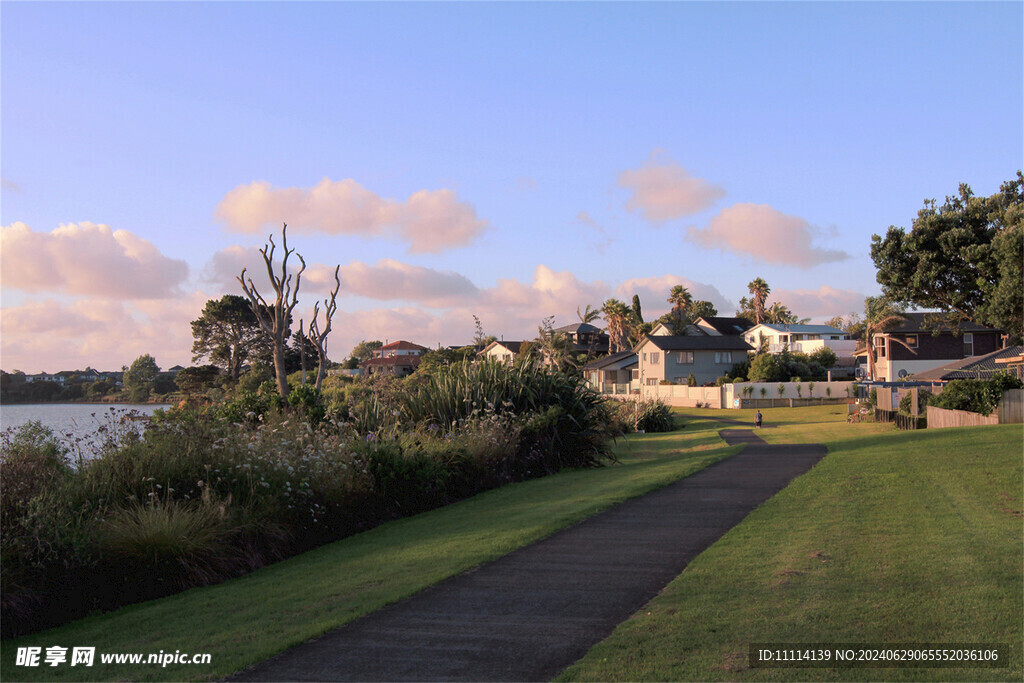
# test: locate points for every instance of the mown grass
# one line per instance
(895, 537)
(245, 621)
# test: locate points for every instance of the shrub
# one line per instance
(825, 357)
(648, 415)
(924, 396)
(974, 395)
(206, 493)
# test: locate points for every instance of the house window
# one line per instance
(912, 341)
(880, 346)
(655, 358)
(652, 381)
(680, 380)
(635, 374)
(968, 344)
(722, 357)
(644, 357)
(685, 358)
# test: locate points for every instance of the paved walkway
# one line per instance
(530, 614)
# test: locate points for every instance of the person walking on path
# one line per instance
(757, 419)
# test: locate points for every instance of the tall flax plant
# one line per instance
(558, 407)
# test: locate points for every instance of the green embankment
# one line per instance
(895, 537)
(247, 620)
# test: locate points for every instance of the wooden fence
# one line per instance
(1011, 408)
(940, 417)
(1010, 411)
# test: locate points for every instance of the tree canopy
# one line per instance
(229, 334)
(138, 379)
(965, 258)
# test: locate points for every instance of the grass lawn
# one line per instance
(895, 537)
(250, 619)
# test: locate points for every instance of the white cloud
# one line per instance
(429, 220)
(88, 259)
(765, 234)
(663, 190)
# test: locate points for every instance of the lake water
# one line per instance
(72, 421)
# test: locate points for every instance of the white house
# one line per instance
(504, 351)
(800, 338)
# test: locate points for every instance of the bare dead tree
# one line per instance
(274, 318)
(318, 336)
(302, 351)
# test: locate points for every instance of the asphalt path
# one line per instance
(528, 615)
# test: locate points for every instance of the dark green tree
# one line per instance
(229, 335)
(138, 379)
(198, 379)
(702, 309)
(637, 311)
(965, 258)
(364, 350)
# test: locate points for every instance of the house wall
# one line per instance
(944, 347)
(932, 352)
(501, 353)
(668, 367)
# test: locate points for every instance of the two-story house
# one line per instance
(800, 338)
(398, 358)
(586, 338)
(915, 347)
(675, 358)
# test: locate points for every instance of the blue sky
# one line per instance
(580, 150)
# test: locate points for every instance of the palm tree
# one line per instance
(880, 316)
(780, 313)
(759, 290)
(680, 298)
(616, 314)
(588, 315)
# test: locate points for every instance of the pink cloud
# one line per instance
(88, 259)
(390, 279)
(429, 220)
(663, 190)
(766, 234)
(52, 336)
(653, 292)
(824, 302)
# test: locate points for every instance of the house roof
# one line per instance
(973, 367)
(578, 328)
(512, 346)
(690, 343)
(402, 345)
(802, 329)
(609, 360)
(915, 322)
(726, 326)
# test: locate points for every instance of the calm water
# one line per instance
(72, 421)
